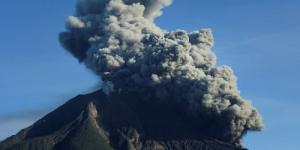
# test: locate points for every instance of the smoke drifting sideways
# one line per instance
(120, 42)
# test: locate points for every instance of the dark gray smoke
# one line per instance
(119, 41)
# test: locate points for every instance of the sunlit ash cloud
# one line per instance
(120, 42)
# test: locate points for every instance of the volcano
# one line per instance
(161, 90)
(117, 121)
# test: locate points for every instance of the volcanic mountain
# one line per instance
(162, 90)
(118, 121)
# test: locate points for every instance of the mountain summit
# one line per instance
(117, 122)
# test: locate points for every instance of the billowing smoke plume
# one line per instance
(119, 41)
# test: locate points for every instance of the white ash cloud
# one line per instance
(119, 41)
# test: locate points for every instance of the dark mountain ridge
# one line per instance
(119, 121)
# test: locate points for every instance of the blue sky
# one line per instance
(259, 39)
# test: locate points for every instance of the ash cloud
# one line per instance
(119, 41)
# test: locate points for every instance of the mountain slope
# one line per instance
(99, 122)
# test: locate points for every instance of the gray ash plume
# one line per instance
(120, 42)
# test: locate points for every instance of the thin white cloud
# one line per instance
(11, 127)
